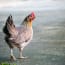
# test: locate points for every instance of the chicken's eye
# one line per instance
(30, 16)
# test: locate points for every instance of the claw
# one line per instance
(12, 58)
(22, 57)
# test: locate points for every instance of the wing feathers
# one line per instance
(24, 35)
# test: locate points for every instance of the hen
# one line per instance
(18, 36)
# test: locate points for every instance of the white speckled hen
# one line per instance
(18, 36)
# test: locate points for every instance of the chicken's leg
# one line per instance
(20, 53)
(12, 57)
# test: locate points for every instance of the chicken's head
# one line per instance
(31, 16)
(28, 20)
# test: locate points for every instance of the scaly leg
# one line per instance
(12, 57)
(20, 54)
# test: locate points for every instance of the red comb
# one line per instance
(32, 14)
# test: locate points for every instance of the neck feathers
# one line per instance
(27, 24)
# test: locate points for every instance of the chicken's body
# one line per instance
(23, 37)
(18, 36)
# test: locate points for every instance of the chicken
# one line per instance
(18, 36)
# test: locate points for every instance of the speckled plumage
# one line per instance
(24, 35)
(18, 36)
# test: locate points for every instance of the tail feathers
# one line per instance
(9, 28)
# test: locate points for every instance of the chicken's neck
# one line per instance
(27, 24)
